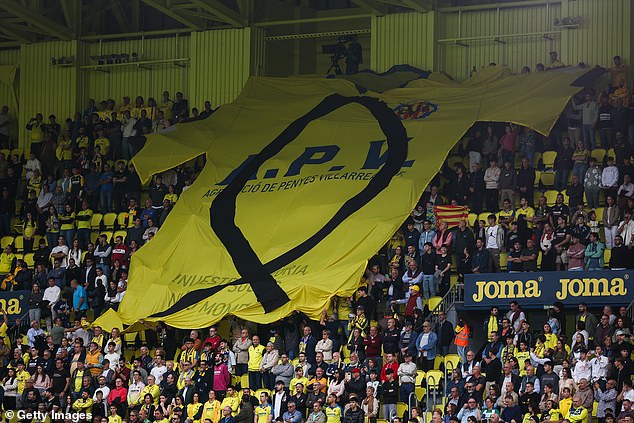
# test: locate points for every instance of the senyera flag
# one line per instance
(452, 215)
(305, 179)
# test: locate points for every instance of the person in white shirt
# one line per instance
(105, 390)
(112, 356)
(583, 368)
(494, 241)
(51, 294)
(159, 369)
(610, 178)
(128, 130)
(599, 365)
(60, 251)
(626, 230)
(31, 165)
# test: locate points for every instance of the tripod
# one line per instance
(334, 65)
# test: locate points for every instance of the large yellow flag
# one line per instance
(305, 180)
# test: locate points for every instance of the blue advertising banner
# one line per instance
(15, 303)
(539, 289)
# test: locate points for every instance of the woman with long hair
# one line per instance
(337, 385)
(29, 228)
(566, 381)
(41, 381)
(370, 406)
(456, 381)
(67, 228)
(112, 298)
(52, 227)
(10, 385)
(74, 252)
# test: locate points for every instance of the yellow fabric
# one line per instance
(211, 411)
(255, 357)
(528, 212)
(5, 262)
(290, 207)
(233, 402)
(577, 415)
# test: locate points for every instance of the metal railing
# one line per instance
(630, 310)
(411, 403)
(455, 295)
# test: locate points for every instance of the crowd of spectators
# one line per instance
(370, 353)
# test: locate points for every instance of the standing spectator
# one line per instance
(477, 187)
(490, 145)
(507, 182)
(491, 180)
(563, 164)
(592, 183)
(507, 144)
(611, 214)
(526, 181)
(528, 143)
(626, 230)
(605, 122)
(426, 345)
(610, 178)
(589, 117)
(256, 351)
(444, 332)
(389, 390)
(105, 184)
(580, 160)
(494, 241)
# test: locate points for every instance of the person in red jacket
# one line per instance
(120, 252)
(118, 395)
(390, 363)
(214, 339)
(222, 378)
(373, 343)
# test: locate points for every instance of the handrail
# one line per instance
(453, 296)
(409, 402)
(630, 310)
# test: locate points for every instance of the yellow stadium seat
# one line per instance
(108, 220)
(16, 223)
(108, 236)
(433, 379)
(547, 178)
(17, 151)
(433, 303)
(18, 243)
(504, 260)
(599, 154)
(548, 159)
(428, 416)
(6, 152)
(36, 240)
(259, 391)
(6, 240)
(383, 420)
(438, 361)
(452, 361)
(599, 212)
(401, 408)
(472, 219)
(120, 233)
(606, 257)
(420, 392)
(420, 376)
(244, 381)
(95, 221)
(28, 259)
(566, 198)
(539, 259)
(121, 219)
(610, 153)
(93, 236)
(551, 197)
(536, 159)
(538, 176)
(484, 216)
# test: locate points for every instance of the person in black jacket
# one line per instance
(477, 188)
(463, 239)
(390, 338)
(356, 385)
(354, 414)
(389, 393)
(526, 181)
(445, 333)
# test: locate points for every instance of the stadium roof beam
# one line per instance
(418, 5)
(15, 33)
(167, 11)
(119, 15)
(37, 20)
(372, 6)
(221, 11)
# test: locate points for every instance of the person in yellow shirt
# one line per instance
(263, 412)
(114, 416)
(527, 211)
(103, 143)
(211, 408)
(577, 413)
(67, 221)
(565, 403)
(83, 218)
(256, 351)
(166, 105)
(84, 403)
(153, 389)
(37, 134)
(231, 400)
(4, 328)
(29, 227)
(64, 151)
(171, 195)
(334, 412)
(187, 373)
(82, 140)
(299, 378)
(552, 414)
(195, 409)
(22, 376)
(7, 261)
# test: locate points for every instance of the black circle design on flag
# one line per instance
(223, 208)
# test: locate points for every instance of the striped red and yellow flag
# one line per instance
(451, 214)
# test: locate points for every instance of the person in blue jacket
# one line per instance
(426, 345)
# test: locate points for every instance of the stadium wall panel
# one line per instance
(220, 65)
(403, 38)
